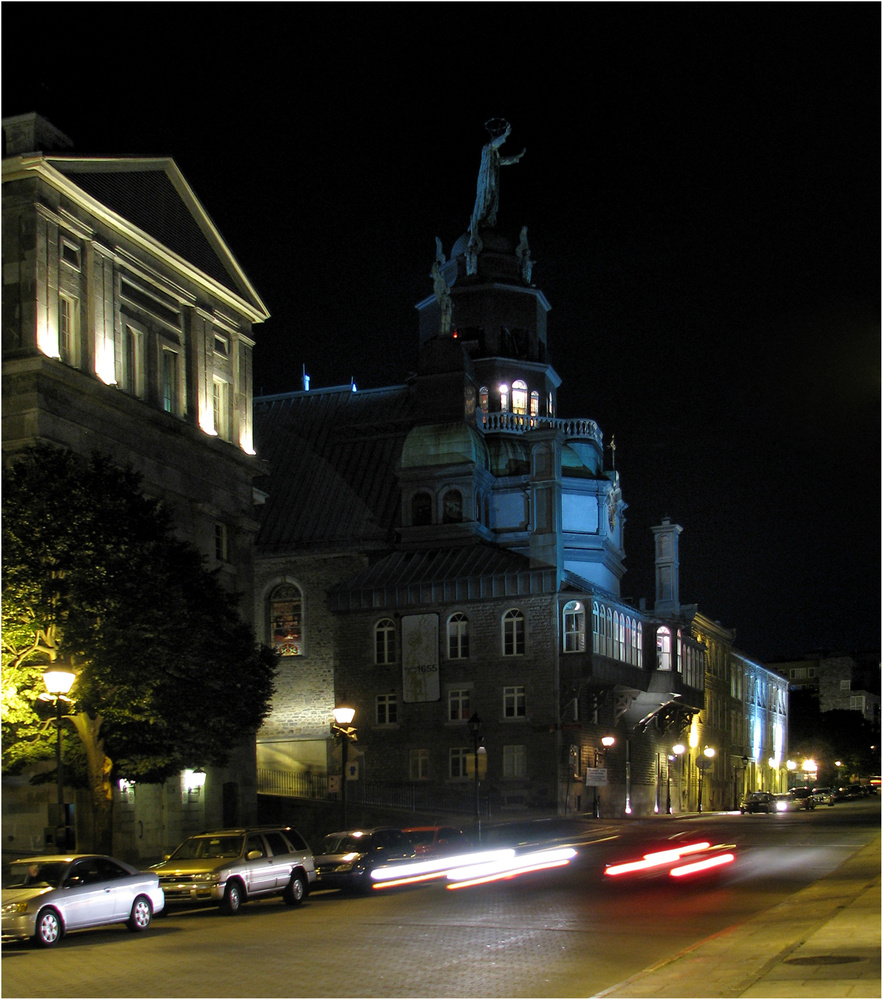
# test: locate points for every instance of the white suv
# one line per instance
(229, 867)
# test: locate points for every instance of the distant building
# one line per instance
(838, 681)
(451, 549)
(127, 330)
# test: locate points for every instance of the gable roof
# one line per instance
(149, 196)
(333, 455)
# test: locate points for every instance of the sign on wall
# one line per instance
(420, 658)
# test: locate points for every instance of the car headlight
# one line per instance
(782, 806)
(344, 868)
(15, 908)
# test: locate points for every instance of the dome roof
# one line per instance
(490, 240)
(509, 456)
(443, 444)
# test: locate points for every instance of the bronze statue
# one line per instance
(487, 195)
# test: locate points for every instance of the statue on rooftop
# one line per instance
(442, 291)
(487, 195)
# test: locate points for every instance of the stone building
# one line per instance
(127, 330)
(451, 549)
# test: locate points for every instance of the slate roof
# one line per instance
(472, 571)
(333, 456)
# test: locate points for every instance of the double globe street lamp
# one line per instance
(58, 683)
(345, 732)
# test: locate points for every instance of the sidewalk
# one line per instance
(823, 941)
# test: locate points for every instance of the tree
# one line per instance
(168, 675)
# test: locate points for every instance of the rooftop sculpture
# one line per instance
(487, 195)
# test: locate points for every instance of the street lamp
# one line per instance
(58, 683)
(676, 752)
(475, 732)
(607, 742)
(342, 729)
(704, 763)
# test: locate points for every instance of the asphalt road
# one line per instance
(560, 933)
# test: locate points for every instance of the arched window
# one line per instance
(551, 406)
(574, 627)
(663, 648)
(452, 507)
(513, 633)
(504, 398)
(608, 634)
(286, 620)
(458, 637)
(421, 509)
(519, 396)
(639, 639)
(534, 404)
(482, 399)
(596, 628)
(385, 641)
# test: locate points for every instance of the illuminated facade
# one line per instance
(127, 329)
(452, 546)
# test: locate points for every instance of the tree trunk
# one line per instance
(99, 767)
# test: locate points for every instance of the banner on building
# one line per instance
(420, 658)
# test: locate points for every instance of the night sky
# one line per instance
(702, 194)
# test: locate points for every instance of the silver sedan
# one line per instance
(46, 896)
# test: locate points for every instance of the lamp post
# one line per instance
(342, 729)
(676, 752)
(58, 683)
(607, 742)
(704, 763)
(475, 732)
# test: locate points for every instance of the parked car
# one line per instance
(823, 796)
(803, 794)
(756, 802)
(786, 802)
(45, 897)
(229, 867)
(436, 841)
(345, 859)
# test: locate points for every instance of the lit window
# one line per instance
(385, 641)
(458, 762)
(551, 406)
(221, 553)
(458, 705)
(132, 365)
(519, 396)
(663, 648)
(534, 404)
(386, 709)
(170, 381)
(286, 619)
(504, 398)
(513, 633)
(514, 702)
(574, 627)
(421, 509)
(68, 318)
(458, 637)
(514, 762)
(482, 398)
(419, 765)
(221, 403)
(596, 628)
(452, 507)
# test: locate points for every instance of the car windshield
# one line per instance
(344, 843)
(209, 847)
(22, 874)
(421, 836)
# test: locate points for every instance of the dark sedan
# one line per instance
(757, 802)
(345, 859)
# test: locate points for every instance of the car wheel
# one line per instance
(142, 911)
(49, 928)
(233, 899)
(296, 890)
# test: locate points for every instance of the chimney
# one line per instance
(31, 133)
(668, 598)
